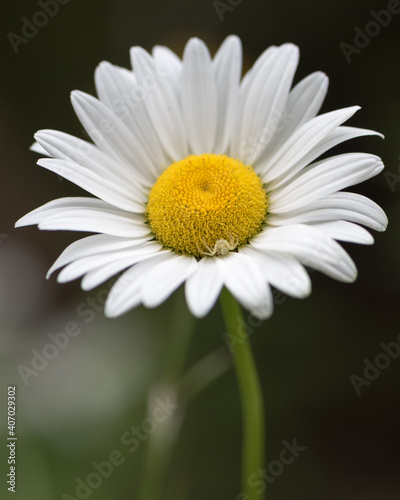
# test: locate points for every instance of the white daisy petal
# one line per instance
(93, 245)
(345, 231)
(199, 97)
(243, 279)
(303, 104)
(266, 101)
(161, 103)
(111, 135)
(118, 89)
(117, 194)
(86, 214)
(97, 276)
(311, 247)
(306, 98)
(238, 145)
(303, 140)
(282, 271)
(342, 205)
(324, 178)
(115, 88)
(52, 207)
(127, 290)
(227, 65)
(169, 65)
(66, 147)
(336, 137)
(86, 264)
(96, 221)
(204, 286)
(256, 68)
(37, 148)
(165, 278)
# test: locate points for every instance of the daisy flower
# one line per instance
(206, 179)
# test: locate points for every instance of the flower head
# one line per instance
(203, 178)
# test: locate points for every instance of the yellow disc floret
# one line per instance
(206, 205)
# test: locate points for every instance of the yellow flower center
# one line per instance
(206, 205)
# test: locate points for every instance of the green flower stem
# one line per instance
(161, 442)
(250, 395)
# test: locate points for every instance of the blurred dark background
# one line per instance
(74, 411)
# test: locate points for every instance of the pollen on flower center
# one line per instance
(202, 200)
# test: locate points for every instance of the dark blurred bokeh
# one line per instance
(74, 411)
